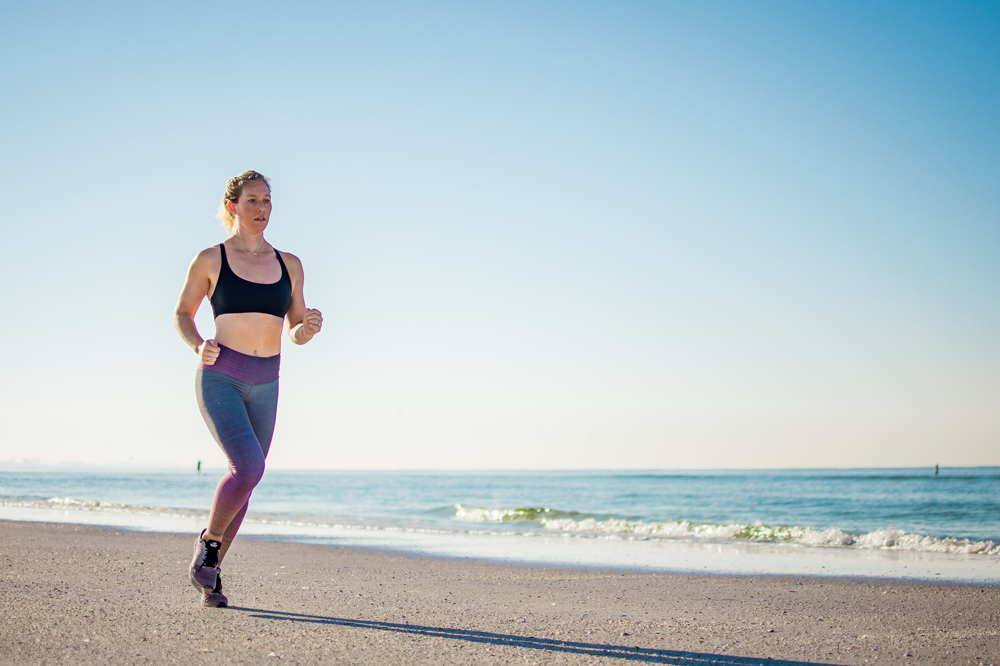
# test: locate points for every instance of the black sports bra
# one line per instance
(234, 294)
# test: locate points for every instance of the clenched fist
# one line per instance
(208, 351)
(312, 322)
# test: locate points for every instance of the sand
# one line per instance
(81, 594)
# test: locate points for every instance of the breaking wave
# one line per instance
(94, 505)
(540, 520)
(571, 522)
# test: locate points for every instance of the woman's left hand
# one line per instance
(312, 322)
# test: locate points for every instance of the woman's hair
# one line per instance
(233, 190)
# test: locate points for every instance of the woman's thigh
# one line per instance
(222, 404)
(262, 408)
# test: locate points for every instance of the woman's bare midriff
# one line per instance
(251, 333)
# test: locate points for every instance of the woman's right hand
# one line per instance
(208, 351)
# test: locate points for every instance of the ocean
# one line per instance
(898, 523)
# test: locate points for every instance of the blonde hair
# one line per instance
(233, 190)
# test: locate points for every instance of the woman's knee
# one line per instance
(248, 471)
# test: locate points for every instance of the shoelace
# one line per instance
(211, 553)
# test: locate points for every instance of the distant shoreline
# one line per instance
(10, 465)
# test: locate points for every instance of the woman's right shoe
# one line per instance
(204, 570)
(215, 598)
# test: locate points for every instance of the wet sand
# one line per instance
(82, 594)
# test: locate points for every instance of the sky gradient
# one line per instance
(543, 235)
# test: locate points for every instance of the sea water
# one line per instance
(904, 523)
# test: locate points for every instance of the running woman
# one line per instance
(254, 289)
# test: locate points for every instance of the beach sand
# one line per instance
(81, 594)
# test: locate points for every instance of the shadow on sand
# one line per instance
(529, 642)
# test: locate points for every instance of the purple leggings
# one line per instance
(238, 398)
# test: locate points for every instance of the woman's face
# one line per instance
(253, 209)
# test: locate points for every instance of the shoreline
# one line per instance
(597, 552)
(84, 594)
(614, 569)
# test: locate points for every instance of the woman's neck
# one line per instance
(252, 243)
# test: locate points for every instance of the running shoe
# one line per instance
(204, 570)
(215, 598)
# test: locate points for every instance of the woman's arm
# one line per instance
(196, 287)
(303, 323)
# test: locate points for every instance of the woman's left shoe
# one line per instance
(215, 598)
(205, 565)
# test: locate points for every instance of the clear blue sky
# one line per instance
(543, 235)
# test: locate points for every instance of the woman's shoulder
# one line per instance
(209, 258)
(291, 261)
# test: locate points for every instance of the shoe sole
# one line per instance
(212, 600)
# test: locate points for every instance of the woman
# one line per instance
(253, 289)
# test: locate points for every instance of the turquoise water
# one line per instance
(957, 511)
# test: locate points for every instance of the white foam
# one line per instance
(888, 539)
(614, 543)
(876, 540)
(602, 551)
